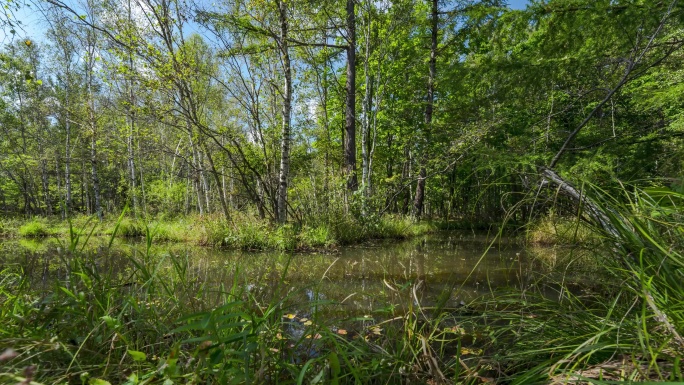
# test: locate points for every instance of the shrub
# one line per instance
(554, 230)
(34, 228)
(315, 237)
(130, 228)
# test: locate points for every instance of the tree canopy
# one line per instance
(453, 108)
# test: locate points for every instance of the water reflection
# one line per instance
(359, 279)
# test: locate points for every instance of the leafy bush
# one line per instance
(315, 237)
(130, 228)
(34, 228)
(554, 230)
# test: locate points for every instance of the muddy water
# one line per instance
(453, 267)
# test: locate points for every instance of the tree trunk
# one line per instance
(420, 186)
(350, 110)
(96, 180)
(46, 184)
(219, 185)
(366, 122)
(131, 126)
(287, 111)
(406, 178)
(67, 156)
(196, 172)
(93, 145)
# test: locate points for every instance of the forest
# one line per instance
(302, 125)
(287, 110)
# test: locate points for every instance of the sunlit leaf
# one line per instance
(137, 356)
(97, 381)
(467, 351)
(455, 329)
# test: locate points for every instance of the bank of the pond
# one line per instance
(241, 232)
(149, 316)
(562, 231)
(154, 318)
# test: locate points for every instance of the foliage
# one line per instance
(552, 230)
(34, 228)
(470, 112)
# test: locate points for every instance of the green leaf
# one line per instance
(137, 356)
(334, 368)
(112, 323)
(69, 293)
(97, 381)
(132, 379)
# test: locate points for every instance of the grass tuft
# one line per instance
(35, 228)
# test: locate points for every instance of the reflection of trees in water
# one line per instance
(370, 275)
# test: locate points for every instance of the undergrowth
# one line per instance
(243, 231)
(155, 321)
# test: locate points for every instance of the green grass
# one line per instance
(554, 230)
(160, 322)
(35, 228)
(623, 324)
(244, 232)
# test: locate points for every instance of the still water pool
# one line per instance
(450, 268)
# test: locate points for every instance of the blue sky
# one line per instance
(34, 28)
(518, 4)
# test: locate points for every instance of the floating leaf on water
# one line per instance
(308, 323)
(341, 332)
(303, 319)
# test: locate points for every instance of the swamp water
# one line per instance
(451, 268)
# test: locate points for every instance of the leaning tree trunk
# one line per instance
(601, 219)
